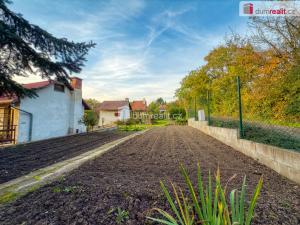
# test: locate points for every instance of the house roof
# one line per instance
(43, 84)
(112, 105)
(37, 85)
(139, 106)
(13, 98)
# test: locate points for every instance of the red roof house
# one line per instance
(140, 106)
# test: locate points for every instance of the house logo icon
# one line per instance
(248, 8)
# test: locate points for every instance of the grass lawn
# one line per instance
(139, 127)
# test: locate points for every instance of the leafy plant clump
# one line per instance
(121, 215)
(181, 121)
(89, 119)
(207, 206)
(131, 127)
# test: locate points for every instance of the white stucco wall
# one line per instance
(108, 117)
(53, 113)
(124, 113)
(76, 112)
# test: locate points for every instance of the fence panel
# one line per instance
(227, 106)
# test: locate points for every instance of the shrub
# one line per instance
(207, 206)
(120, 122)
(177, 112)
(131, 121)
(181, 121)
(131, 128)
(89, 119)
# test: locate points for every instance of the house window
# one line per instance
(59, 87)
(117, 114)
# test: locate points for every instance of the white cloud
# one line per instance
(115, 67)
(97, 26)
(29, 79)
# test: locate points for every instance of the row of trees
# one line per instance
(268, 65)
(174, 109)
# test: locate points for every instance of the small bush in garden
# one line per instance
(56, 190)
(121, 122)
(89, 119)
(207, 206)
(181, 121)
(131, 121)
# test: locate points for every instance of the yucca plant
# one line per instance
(207, 206)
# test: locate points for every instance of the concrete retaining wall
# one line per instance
(283, 161)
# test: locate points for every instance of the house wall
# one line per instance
(76, 112)
(52, 112)
(108, 117)
(124, 113)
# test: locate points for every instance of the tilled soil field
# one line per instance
(16, 161)
(128, 177)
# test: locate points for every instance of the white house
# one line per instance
(113, 111)
(56, 111)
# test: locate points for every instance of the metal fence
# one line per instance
(228, 110)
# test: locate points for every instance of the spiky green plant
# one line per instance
(207, 206)
(121, 215)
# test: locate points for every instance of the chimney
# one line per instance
(127, 99)
(76, 83)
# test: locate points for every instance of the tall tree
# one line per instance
(26, 48)
(153, 108)
(93, 103)
(160, 101)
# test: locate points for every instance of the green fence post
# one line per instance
(240, 107)
(208, 107)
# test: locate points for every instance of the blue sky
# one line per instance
(144, 48)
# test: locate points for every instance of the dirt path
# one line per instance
(127, 177)
(19, 160)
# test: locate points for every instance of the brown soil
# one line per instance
(128, 176)
(18, 160)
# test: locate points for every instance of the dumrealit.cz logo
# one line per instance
(269, 8)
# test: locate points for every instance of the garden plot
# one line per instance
(123, 184)
(16, 161)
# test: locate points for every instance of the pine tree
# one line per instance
(26, 48)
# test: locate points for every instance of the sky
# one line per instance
(144, 47)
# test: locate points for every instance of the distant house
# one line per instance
(113, 111)
(138, 109)
(162, 108)
(56, 111)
